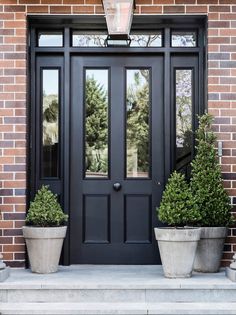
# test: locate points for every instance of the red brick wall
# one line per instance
(221, 88)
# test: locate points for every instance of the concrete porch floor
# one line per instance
(108, 289)
(113, 277)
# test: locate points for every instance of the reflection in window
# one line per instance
(96, 122)
(137, 130)
(88, 40)
(50, 137)
(183, 39)
(50, 39)
(146, 40)
(183, 117)
(99, 40)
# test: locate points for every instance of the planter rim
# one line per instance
(44, 232)
(42, 227)
(213, 232)
(189, 234)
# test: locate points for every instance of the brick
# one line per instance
(14, 216)
(219, 40)
(196, 9)
(12, 232)
(14, 8)
(174, 9)
(37, 9)
(207, 1)
(60, 9)
(79, 9)
(219, 8)
(15, 264)
(219, 24)
(228, 96)
(228, 48)
(151, 9)
(6, 240)
(219, 56)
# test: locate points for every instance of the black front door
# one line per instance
(117, 163)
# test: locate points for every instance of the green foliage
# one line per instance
(178, 206)
(45, 211)
(206, 182)
(96, 126)
(138, 117)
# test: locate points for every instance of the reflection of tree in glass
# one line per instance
(89, 40)
(96, 126)
(99, 40)
(183, 40)
(144, 40)
(138, 118)
(50, 119)
(183, 110)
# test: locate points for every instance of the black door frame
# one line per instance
(68, 23)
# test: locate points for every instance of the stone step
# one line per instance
(118, 284)
(121, 295)
(117, 308)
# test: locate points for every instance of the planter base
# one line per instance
(44, 246)
(177, 250)
(210, 249)
(231, 274)
(4, 274)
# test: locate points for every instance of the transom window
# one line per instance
(155, 38)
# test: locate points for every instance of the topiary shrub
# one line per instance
(45, 211)
(206, 182)
(177, 206)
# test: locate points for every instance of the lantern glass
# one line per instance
(119, 15)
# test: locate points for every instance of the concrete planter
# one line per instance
(177, 249)
(210, 249)
(44, 246)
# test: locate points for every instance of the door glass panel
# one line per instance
(137, 122)
(96, 123)
(50, 39)
(50, 128)
(183, 87)
(183, 39)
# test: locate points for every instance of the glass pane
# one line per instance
(183, 39)
(137, 134)
(50, 39)
(183, 117)
(80, 39)
(146, 40)
(50, 136)
(96, 122)
(88, 40)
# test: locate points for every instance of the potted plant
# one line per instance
(45, 231)
(210, 197)
(178, 242)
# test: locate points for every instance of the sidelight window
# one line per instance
(184, 114)
(50, 123)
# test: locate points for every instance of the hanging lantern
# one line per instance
(119, 14)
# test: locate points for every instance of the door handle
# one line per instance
(117, 186)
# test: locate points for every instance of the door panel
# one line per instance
(117, 163)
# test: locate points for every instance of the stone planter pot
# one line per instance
(210, 249)
(44, 245)
(177, 250)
